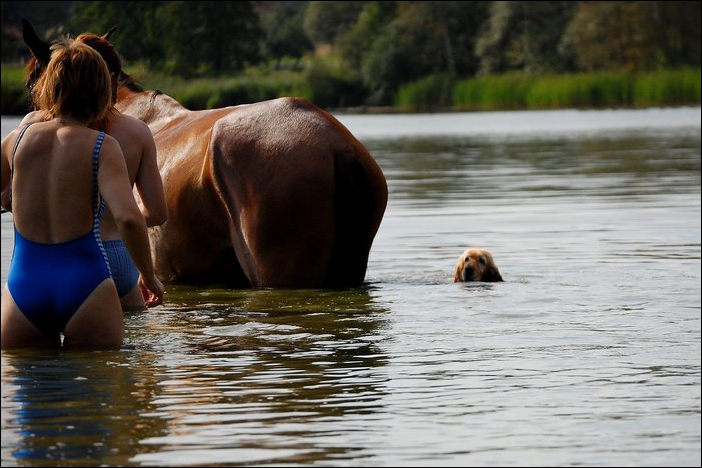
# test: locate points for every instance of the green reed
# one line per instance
(668, 87)
(508, 91)
(431, 92)
(584, 90)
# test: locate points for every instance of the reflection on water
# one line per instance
(249, 372)
(74, 409)
(259, 375)
(588, 353)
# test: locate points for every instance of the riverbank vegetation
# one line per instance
(393, 55)
(434, 93)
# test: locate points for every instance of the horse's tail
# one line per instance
(359, 203)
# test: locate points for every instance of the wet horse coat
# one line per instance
(272, 194)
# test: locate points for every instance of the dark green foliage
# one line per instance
(326, 21)
(210, 37)
(140, 33)
(283, 27)
(331, 87)
(526, 36)
(351, 53)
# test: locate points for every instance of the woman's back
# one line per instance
(53, 181)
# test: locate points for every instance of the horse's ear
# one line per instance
(40, 49)
(108, 34)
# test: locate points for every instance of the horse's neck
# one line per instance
(154, 109)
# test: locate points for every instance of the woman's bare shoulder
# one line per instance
(33, 117)
(130, 122)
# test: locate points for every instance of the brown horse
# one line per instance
(272, 194)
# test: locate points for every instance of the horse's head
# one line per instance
(129, 95)
(41, 54)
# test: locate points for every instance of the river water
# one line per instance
(588, 353)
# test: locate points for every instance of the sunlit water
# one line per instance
(588, 353)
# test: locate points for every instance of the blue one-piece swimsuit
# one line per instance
(49, 282)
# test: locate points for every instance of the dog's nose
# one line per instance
(467, 273)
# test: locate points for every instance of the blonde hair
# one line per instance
(76, 82)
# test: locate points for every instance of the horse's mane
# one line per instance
(130, 82)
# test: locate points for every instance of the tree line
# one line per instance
(370, 49)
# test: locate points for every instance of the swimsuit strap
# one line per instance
(14, 149)
(12, 157)
(98, 202)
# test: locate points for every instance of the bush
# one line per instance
(329, 87)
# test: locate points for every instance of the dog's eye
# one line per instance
(482, 260)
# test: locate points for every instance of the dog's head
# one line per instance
(476, 265)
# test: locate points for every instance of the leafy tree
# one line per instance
(678, 31)
(412, 40)
(386, 65)
(607, 35)
(282, 23)
(371, 22)
(325, 21)
(210, 37)
(465, 21)
(636, 35)
(189, 38)
(525, 35)
(443, 33)
(139, 34)
(138, 37)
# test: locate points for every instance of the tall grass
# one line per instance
(584, 90)
(427, 94)
(508, 91)
(610, 89)
(668, 87)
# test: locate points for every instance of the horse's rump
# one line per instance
(303, 209)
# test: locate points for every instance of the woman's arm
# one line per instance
(148, 181)
(115, 188)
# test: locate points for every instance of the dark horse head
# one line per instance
(41, 54)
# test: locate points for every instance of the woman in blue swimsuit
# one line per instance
(60, 173)
(139, 150)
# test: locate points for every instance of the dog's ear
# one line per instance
(457, 275)
(492, 274)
